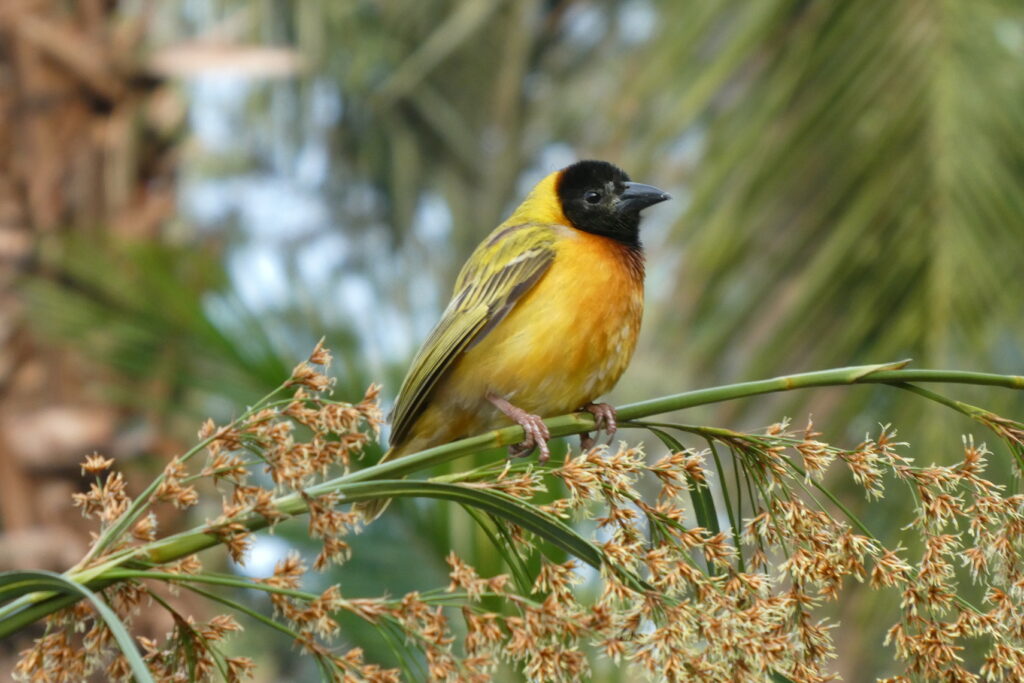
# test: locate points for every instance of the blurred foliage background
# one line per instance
(847, 179)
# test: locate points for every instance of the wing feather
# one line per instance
(501, 270)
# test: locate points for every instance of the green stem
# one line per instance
(245, 610)
(141, 502)
(896, 376)
(575, 423)
(209, 579)
(970, 411)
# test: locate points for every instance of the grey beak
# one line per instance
(638, 196)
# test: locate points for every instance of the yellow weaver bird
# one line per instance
(544, 319)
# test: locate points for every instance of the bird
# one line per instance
(543, 319)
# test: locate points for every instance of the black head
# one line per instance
(598, 197)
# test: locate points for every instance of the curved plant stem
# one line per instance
(31, 607)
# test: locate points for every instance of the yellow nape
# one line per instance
(541, 205)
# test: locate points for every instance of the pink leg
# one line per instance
(537, 433)
(604, 419)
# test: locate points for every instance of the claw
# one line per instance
(537, 434)
(587, 441)
(520, 450)
(604, 420)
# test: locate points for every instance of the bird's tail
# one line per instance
(372, 509)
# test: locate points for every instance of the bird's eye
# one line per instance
(592, 197)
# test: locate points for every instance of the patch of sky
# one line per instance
(383, 328)
(584, 24)
(216, 115)
(325, 104)
(319, 259)
(202, 200)
(637, 21)
(312, 164)
(265, 552)
(432, 221)
(259, 276)
(275, 208)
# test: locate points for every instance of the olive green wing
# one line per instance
(501, 270)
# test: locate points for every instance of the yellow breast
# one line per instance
(566, 342)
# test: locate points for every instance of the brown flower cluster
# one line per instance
(295, 441)
(78, 643)
(166, 661)
(936, 621)
(683, 587)
(104, 500)
(680, 602)
(334, 432)
(312, 618)
(675, 600)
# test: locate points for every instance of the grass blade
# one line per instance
(29, 581)
(495, 503)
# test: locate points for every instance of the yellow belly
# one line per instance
(566, 342)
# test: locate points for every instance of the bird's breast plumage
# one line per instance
(567, 341)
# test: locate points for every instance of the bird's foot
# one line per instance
(587, 441)
(604, 420)
(537, 434)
